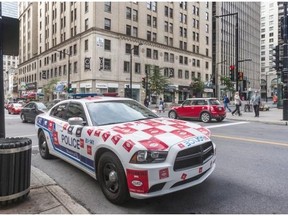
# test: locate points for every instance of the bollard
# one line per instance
(15, 169)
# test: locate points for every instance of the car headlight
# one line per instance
(145, 156)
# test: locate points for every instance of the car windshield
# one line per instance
(41, 106)
(214, 102)
(113, 112)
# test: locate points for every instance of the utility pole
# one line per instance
(285, 53)
(2, 114)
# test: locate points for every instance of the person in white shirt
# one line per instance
(238, 103)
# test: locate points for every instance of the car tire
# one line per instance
(43, 146)
(173, 115)
(205, 117)
(112, 179)
(23, 118)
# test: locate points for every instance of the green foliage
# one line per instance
(196, 87)
(228, 85)
(157, 81)
(49, 89)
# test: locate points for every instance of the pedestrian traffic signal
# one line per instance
(69, 90)
(232, 71)
(240, 76)
(144, 82)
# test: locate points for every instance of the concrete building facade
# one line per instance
(94, 41)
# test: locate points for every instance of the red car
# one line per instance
(15, 108)
(203, 109)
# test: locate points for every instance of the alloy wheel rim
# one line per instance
(205, 117)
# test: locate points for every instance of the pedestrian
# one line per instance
(161, 106)
(256, 100)
(146, 102)
(226, 101)
(238, 103)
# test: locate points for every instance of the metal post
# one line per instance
(236, 51)
(285, 53)
(131, 89)
(2, 114)
(266, 87)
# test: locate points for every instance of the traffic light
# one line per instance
(69, 90)
(240, 76)
(276, 58)
(144, 82)
(232, 72)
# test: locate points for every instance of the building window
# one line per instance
(171, 27)
(154, 22)
(207, 52)
(207, 28)
(207, 16)
(107, 64)
(166, 11)
(75, 67)
(136, 50)
(135, 15)
(172, 58)
(181, 59)
(107, 7)
(180, 75)
(107, 45)
(149, 21)
(75, 49)
(186, 60)
(166, 26)
(155, 54)
(86, 24)
(128, 29)
(86, 45)
(148, 53)
(198, 63)
(166, 57)
(207, 40)
(135, 32)
(207, 65)
(148, 35)
(126, 67)
(186, 74)
(86, 7)
(154, 37)
(107, 24)
(128, 48)
(137, 68)
(128, 13)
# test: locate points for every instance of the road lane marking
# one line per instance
(251, 140)
(226, 125)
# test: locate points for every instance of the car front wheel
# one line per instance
(205, 117)
(43, 146)
(112, 178)
(173, 115)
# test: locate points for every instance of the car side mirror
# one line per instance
(76, 121)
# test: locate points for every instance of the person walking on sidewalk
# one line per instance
(238, 103)
(256, 100)
(226, 101)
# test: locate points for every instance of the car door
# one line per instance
(26, 110)
(185, 110)
(72, 136)
(200, 106)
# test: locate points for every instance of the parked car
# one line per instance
(128, 148)
(203, 109)
(31, 110)
(8, 104)
(14, 108)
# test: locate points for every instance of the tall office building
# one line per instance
(269, 39)
(95, 41)
(224, 48)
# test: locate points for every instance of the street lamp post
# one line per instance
(131, 54)
(216, 78)
(236, 43)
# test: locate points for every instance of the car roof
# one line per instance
(96, 99)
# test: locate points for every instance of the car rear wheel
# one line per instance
(43, 146)
(23, 118)
(112, 178)
(173, 115)
(205, 117)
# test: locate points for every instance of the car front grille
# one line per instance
(194, 156)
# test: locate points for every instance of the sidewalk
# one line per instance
(45, 197)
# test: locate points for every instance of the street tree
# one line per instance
(49, 88)
(196, 87)
(157, 81)
(228, 84)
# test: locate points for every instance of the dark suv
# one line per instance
(203, 109)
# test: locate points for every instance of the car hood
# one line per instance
(154, 134)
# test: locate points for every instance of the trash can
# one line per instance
(285, 109)
(15, 169)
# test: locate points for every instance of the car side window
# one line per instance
(202, 102)
(59, 111)
(75, 110)
(187, 103)
(194, 102)
(30, 105)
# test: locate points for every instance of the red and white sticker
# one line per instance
(154, 131)
(115, 139)
(89, 132)
(128, 145)
(55, 138)
(81, 143)
(137, 181)
(105, 136)
(164, 173)
(89, 150)
(182, 133)
(154, 144)
(124, 130)
(97, 133)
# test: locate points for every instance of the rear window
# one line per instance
(214, 102)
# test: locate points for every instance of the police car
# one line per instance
(125, 146)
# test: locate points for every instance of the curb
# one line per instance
(280, 122)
